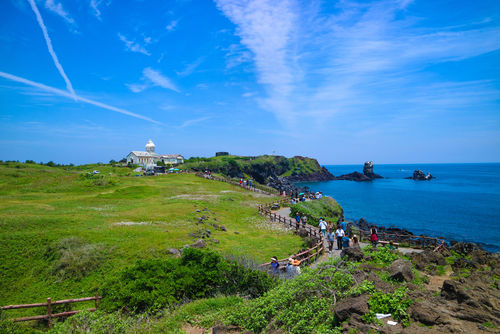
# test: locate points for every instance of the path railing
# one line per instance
(49, 305)
(222, 179)
(409, 240)
(306, 256)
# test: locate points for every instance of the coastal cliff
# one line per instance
(264, 169)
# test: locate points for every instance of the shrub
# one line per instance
(153, 284)
(394, 303)
(95, 322)
(73, 258)
(99, 180)
(325, 207)
(300, 305)
(382, 255)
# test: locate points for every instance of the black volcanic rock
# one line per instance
(368, 171)
(420, 176)
(368, 174)
(354, 176)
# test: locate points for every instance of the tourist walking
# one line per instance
(330, 236)
(297, 218)
(355, 241)
(373, 236)
(292, 268)
(275, 266)
(322, 226)
(346, 242)
(339, 233)
(343, 224)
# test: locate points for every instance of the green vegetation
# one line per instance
(259, 168)
(151, 285)
(381, 256)
(325, 207)
(389, 303)
(63, 234)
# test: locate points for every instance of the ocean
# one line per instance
(462, 203)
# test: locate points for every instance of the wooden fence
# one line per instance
(307, 256)
(49, 305)
(409, 240)
(254, 188)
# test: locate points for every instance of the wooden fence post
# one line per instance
(49, 311)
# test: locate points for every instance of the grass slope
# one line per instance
(259, 167)
(59, 235)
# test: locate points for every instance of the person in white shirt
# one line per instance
(339, 233)
(322, 226)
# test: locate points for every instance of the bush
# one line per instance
(300, 305)
(153, 284)
(73, 258)
(325, 207)
(382, 255)
(95, 322)
(394, 303)
(97, 179)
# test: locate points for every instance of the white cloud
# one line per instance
(248, 94)
(137, 88)
(133, 46)
(95, 4)
(194, 121)
(152, 78)
(172, 25)
(315, 65)
(63, 93)
(50, 48)
(158, 79)
(58, 9)
(190, 68)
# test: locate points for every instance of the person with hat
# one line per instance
(292, 268)
(275, 265)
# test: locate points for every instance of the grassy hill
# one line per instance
(259, 167)
(63, 231)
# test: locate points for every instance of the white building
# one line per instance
(149, 158)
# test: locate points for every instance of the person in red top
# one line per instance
(373, 237)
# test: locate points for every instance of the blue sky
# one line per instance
(343, 81)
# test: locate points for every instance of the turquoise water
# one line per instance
(462, 203)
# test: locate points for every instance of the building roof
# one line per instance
(172, 156)
(143, 154)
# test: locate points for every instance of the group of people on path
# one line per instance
(302, 197)
(342, 235)
(247, 183)
(291, 269)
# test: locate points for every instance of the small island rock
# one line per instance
(368, 174)
(420, 176)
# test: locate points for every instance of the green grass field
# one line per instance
(63, 232)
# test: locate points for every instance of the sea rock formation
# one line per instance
(420, 176)
(368, 174)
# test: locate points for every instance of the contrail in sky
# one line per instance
(51, 50)
(64, 93)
